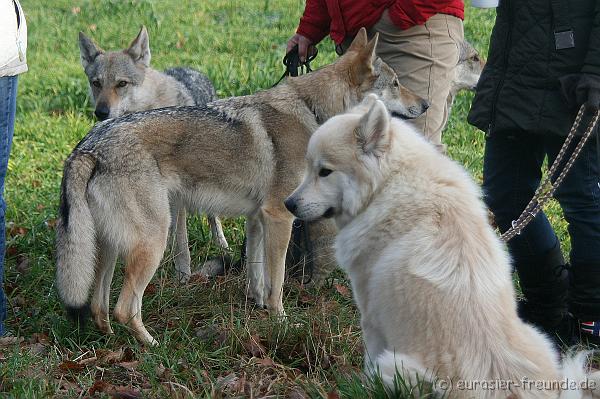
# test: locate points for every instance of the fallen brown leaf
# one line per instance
(40, 338)
(70, 365)
(14, 230)
(125, 393)
(9, 341)
(150, 289)
(342, 290)
(254, 346)
(23, 266)
(99, 386)
(130, 366)
(333, 395)
(51, 223)
(265, 362)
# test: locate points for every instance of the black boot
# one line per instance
(584, 300)
(544, 282)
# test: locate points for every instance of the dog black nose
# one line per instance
(425, 105)
(102, 112)
(290, 204)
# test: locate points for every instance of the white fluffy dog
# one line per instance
(429, 275)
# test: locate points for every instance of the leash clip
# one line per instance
(514, 226)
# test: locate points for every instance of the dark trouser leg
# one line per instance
(579, 197)
(512, 172)
(8, 94)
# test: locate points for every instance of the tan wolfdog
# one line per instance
(237, 156)
(429, 275)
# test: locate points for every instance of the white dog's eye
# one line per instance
(325, 172)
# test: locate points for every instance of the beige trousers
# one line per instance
(424, 58)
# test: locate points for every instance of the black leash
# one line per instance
(293, 65)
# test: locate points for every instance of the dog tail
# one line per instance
(577, 381)
(75, 237)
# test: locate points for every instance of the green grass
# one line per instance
(213, 343)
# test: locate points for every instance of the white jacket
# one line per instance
(13, 39)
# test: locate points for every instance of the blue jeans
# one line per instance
(512, 171)
(8, 96)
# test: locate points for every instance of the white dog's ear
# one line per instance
(88, 50)
(139, 49)
(372, 132)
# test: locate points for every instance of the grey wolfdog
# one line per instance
(122, 82)
(236, 156)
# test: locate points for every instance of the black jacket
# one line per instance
(519, 88)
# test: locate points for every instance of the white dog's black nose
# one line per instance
(291, 205)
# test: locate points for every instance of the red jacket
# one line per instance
(342, 18)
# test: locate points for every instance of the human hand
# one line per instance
(304, 46)
(582, 88)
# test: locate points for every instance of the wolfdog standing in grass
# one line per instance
(122, 82)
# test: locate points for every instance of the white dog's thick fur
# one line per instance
(429, 275)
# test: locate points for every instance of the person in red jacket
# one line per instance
(418, 38)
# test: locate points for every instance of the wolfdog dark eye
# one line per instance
(97, 83)
(325, 172)
(396, 83)
(122, 83)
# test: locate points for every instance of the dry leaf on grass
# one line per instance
(254, 346)
(333, 395)
(115, 392)
(9, 341)
(70, 365)
(23, 266)
(342, 290)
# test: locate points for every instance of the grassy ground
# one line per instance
(213, 343)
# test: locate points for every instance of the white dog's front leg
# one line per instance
(255, 251)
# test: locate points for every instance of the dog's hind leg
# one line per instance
(277, 228)
(216, 229)
(141, 263)
(105, 267)
(182, 249)
(255, 259)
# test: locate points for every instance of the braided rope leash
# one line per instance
(546, 189)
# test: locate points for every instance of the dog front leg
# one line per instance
(277, 225)
(255, 259)
(182, 249)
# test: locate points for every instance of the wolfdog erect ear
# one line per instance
(372, 132)
(139, 49)
(88, 50)
(362, 67)
(360, 40)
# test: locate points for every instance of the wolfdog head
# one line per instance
(115, 76)
(469, 68)
(343, 168)
(364, 71)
